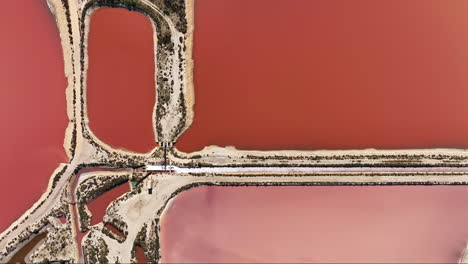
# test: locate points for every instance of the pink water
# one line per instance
(121, 86)
(317, 224)
(330, 74)
(325, 74)
(98, 206)
(32, 105)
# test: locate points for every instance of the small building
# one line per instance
(149, 185)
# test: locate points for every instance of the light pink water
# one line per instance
(317, 224)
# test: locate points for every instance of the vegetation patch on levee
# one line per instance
(24, 236)
(214, 156)
(95, 250)
(139, 241)
(94, 186)
(113, 232)
(115, 227)
(20, 255)
(84, 216)
(149, 245)
(152, 242)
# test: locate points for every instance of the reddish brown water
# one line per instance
(330, 74)
(114, 230)
(121, 88)
(140, 255)
(317, 224)
(23, 252)
(98, 206)
(32, 105)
